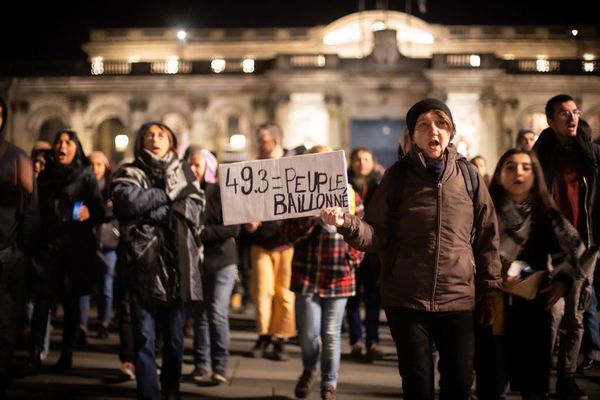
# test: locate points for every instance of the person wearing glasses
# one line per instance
(570, 163)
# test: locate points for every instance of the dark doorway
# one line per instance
(104, 140)
(381, 136)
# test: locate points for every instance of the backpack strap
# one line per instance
(470, 175)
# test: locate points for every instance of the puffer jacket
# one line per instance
(160, 208)
(428, 261)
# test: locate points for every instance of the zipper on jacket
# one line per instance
(437, 244)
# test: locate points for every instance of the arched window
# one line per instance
(49, 129)
(104, 139)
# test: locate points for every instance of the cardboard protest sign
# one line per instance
(289, 187)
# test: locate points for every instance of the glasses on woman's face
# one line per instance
(569, 113)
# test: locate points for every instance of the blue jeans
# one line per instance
(170, 318)
(211, 320)
(321, 317)
(590, 346)
(105, 304)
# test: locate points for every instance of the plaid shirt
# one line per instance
(323, 262)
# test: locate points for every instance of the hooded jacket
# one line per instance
(428, 261)
(160, 207)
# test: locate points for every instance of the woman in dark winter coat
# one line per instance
(438, 246)
(70, 206)
(159, 206)
(211, 316)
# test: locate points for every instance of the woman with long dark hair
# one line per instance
(70, 206)
(532, 231)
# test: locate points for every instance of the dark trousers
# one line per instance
(415, 332)
(491, 371)
(13, 278)
(43, 302)
(124, 320)
(367, 290)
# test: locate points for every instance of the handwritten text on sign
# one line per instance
(289, 187)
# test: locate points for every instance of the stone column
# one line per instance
(281, 113)
(334, 131)
(77, 106)
(508, 110)
(490, 117)
(200, 130)
(138, 108)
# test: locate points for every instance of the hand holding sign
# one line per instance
(288, 187)
(333, 216)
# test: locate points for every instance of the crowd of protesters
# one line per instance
(456, 258)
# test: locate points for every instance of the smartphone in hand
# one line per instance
(76, 208)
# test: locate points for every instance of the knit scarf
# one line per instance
(514, 224)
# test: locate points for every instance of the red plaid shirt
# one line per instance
(323, 262)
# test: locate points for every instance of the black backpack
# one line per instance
(398, 174)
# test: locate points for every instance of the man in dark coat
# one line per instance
(19, 216)
(570, 162)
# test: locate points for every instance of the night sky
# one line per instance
(53, 30)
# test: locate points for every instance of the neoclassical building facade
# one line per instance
(345, 84)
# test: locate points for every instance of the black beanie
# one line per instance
(424, 106)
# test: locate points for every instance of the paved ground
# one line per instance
(95, 375)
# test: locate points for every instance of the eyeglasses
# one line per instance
(569, 113)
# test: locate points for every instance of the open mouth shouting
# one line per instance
(434, 144)
(61, 155)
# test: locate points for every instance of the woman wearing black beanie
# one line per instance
(437, 239)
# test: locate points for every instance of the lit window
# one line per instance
(97, 66)
(378, 26)
(588, 57)
(589, 66)
(172, 65)
(474, 60)
(320, 60)
(248, 65)
(218, 65)
(542, 66)
(121, 142)
(237, 142)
